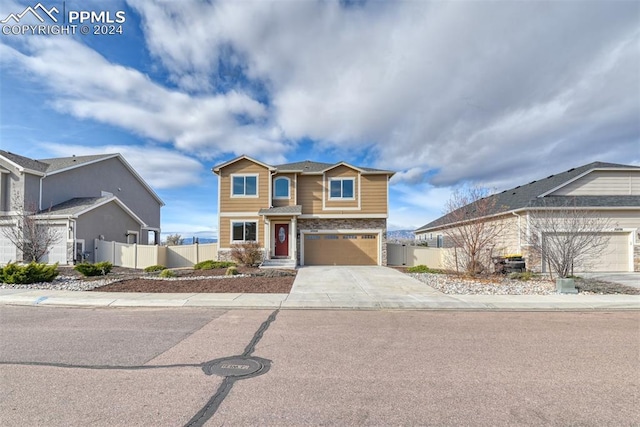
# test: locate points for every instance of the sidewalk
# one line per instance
(426, 301)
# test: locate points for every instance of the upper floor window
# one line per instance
(341, 188)
(244, 185)
(281, 188)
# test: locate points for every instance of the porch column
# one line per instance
(293, 238)
(267, 238)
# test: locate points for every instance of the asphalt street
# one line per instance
(146, 367)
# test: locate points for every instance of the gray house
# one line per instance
(83, 198)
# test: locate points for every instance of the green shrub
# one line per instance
(419, 269)
(231, 271)
(247, 253)
(98, 269)
(524, 276)
(153, 268)
(30, 273)
(210, 265)
(167, 273)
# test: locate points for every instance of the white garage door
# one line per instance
(7, 250)
(615, 257)
(58, 253)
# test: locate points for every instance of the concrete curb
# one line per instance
(52, 298)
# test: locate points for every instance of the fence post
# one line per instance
(135, 256)
(197, 252)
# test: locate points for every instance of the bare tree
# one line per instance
(174, 240)
(566, 236)
(33, 234)
(471, 234)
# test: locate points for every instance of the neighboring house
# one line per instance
(83, 198)
(307, 212)
(608, 189)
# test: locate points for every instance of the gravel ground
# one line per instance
(502, 285)
(70, 280)
(450, 284)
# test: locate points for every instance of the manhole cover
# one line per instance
(237, 366)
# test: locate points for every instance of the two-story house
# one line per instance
(308, 212)
(81, 198)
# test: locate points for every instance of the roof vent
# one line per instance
(572, 169)
(513, 193)
(532, 182)
(550, 176)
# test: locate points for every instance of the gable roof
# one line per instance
(56, 165)
(78, 206)
(216, 169)
(310, 167)
(534, 194)
(24, 163)
(59, 164)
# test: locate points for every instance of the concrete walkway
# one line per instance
(331, 288)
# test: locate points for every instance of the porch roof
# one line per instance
(282, 210)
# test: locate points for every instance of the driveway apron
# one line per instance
(361, 287)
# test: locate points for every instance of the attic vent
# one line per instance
(550, 176)
(513, 192)
(572, 169)
(518, 186)
(532, 182)
(504, 191)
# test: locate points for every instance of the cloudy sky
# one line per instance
(494, 93)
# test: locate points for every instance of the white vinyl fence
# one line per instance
(410, 256)
(141, 256)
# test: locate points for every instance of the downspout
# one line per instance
(40, 196)
(519, 232)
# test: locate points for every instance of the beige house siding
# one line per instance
(374, 194)
(291, 201)
(342, 172)
(244, 204)
(310, 193)
(603, 183)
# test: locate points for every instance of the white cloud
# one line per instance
(159, 167)
(474, 89)
(87, 86)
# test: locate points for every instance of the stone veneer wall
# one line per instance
(225, 255)
(346, 224)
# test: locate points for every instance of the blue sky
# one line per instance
(445, 93)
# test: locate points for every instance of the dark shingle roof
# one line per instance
(282, 210)
(317, 167)
(75, 205)
(52, 165)
(67, 162)
(25, 162)
(527, 195)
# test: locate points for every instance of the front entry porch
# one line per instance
(281, 248)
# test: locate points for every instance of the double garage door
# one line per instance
(615, 257)
(341, 249)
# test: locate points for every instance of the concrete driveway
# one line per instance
(361, 287)
(628, 279)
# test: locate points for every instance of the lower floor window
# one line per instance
(245, 231)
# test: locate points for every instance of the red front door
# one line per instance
(282, 239)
